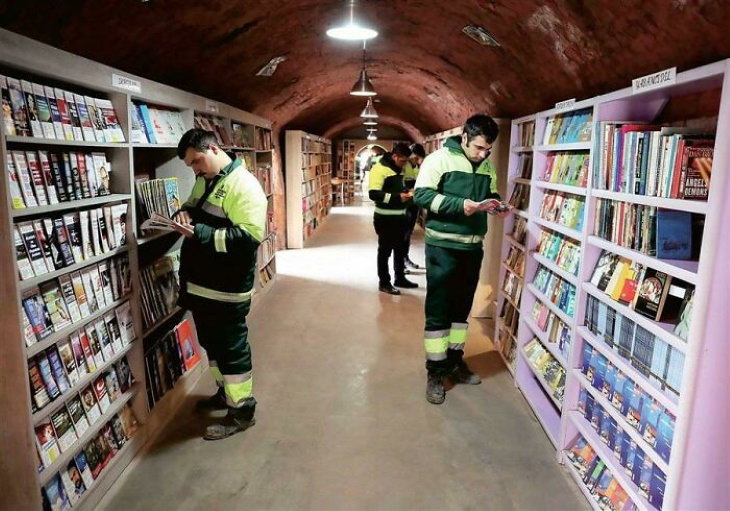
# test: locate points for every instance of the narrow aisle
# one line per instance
(342, 421)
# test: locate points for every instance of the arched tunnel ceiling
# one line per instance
(429, 75)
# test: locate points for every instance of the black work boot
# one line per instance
(215, 402)
(237, 420)
(435, 392)
(462, 374)
(404, 283)
(387, 288)
(411, 264)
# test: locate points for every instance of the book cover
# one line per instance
(678, 293)
(119, 223)
(101, 228)
(61, 236)
(673, 234)
(124, 374)
(65, 114)
(25, 180)
(89, 291)
(91, 407)
(105, 450)
(80, 294)
(147, 121)
(102, 396)
(112, 385)
(105, 340)
(47, 444)
(649, 421)
(97, 119)
(126, 322)
(63, 427)
(685, 317)
(57, 369)
(16, 196)
(37, 387)
(129, 421)
(95, 344)
(87, 350)
(98, 286)
(87, 244)
(20, 117)
(65, 351)
(137, 129)
(59, 177)
(106, 281)
(49, 179)
(83, 465)
(79, 355)
(55, 112)
(699, 171)
(110, 439)
(28, 333)
(79, 160)
(87, 127)
(113, 130)
(652, 293)
(69, 296)
(25, 269)
(32, 108)
(73, 113)
(118, 431)
(38, 316)
(56, 494)
(94, 458)
(636, 405)
(44, 111)
(73, 482)
(37, 178)
(55, 304)
(51, 256)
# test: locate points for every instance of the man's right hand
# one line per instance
(182, 217)
(406, 196)
(470, 207)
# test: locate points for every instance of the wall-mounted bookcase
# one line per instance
(308, 186)
(620, 342)
(346, 171)
(74, 193)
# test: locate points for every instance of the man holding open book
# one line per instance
(223, 221)
(457, 184)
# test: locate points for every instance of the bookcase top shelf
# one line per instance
(70, 205)
(15, 139)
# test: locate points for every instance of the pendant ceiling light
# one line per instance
(350, 29)
(363, 86)
(372, 136)
(370, 122)
(369, 112)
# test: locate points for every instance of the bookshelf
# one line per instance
(346, 171)
(308, 187)
(662, 407)
(136, 156)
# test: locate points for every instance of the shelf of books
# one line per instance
(88, 296)
(345, 171)
(308, 184)
(625, 314)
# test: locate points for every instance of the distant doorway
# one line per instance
(363, 162)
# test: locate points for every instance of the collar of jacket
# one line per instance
(387, 160)
(454, 144)
(230, 167)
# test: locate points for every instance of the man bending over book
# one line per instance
(223, 221)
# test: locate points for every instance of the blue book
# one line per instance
(665, 435)
(675, 371)
(609, 381)
(582, 397)
(673, 234)
(633, 449)
(596, 417)
(659, 363)
(650, 421)
(147, 122)
(626, 445)
(618, 442)
(603, 429)
(656, 489)
(47, 376)
(597, 370)
(638, 465)
(587, 354)
(618, 390)
(613, 432)
(56, 494)
(590, 405)
(59, 374)
(636, 405)
(628, 393)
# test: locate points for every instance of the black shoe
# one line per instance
(411, 264)
(462, 374)
(387, 288)
(435, 392)
(215, 402)
(405, 283)
(237, 420)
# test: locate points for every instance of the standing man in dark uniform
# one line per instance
(410, 174)
(224, 222)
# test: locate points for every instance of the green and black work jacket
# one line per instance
(386, 185)
(446, 178)
(229, 214)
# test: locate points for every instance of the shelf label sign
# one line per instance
(655, 80)
(125, 83)
(568, 104)
(211, 106)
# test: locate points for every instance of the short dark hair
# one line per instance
(418, 150)
(481, 125)
(197, 139)
(401, 149)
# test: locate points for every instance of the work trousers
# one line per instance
(412, 216)
(391, 239)
(223, 333)
(452, 277)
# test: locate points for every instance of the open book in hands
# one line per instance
(493, 206)
(161, 223)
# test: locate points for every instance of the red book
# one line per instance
(188, 346)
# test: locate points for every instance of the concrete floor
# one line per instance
(342, 422)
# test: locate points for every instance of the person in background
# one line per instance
(454, 184)
(410, 173)
(223, 221)
(391, 199)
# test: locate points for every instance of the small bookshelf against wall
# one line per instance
(345, 193)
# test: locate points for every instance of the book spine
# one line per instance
(16, 196)
(83, 178)
(24, 178)
(48, 177)
(36, 178)
(30, 102)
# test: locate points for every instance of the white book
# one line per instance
(80, 293)
(57, 124)
(73, 228)
(126, 322)
(69, 295)
(28, 333)
(36, 177)
(89, 291)
(105, 341)
(93, 337)
(91, 407)
(87, 244)
(69, 486)
(112, 129)
(112, 325)
(24, 178)
(44, 111)
(30, 102)
(119, 223)
(16, 196)
(7, 111)
(87, 351)
(94, 227)
(71, 102)
(101, 229)
(48, 179)
(87, 128)
(110, 238)
(97, 119)
(158, 125)
(102, 396)
(106, 282)
(98, 287)
(25, 269)
(66, 353)
(91, 175)
(68, 131)
(103, 173)
(33, 248)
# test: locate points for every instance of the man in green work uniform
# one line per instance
(410, 173)
(391, 199)
(223, 221)
(455, 184)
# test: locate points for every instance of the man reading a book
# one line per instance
(457, 184)
(224, 221)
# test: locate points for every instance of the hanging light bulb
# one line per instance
(370, 122)
(369, 112)
(372, 136)
(350, 29)
(363, 86)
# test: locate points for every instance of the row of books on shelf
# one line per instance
(263, 139)
(563, 251)
(638, 409)
(160, 196)
(160, 288)
(659, 161)
(266, 274)
(558, 290)
(563, 208)
(660, 363)
(169, 357)
(550, 370)
(52, 243)
(527, 133)
(214, 124)
(59, 303)
(598, 479)
(247, 158)
(512, 286)
(316, 146)
(263, 174)
(267, 250)
(662, 233)
(558, 333)
(508, 347)
(575, 126)
(57, 370)
(40, 178)
(519, 230)
(567, 168)
(520, 197)
(515, 260)
(35, 110)
(510, 317)
(524, 164)
(155, 125)
(649, 292)
(68, 485)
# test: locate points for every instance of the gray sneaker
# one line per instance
(435, 392)
(462, 374)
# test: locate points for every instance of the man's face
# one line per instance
(399, 160)
(477, 149)
(416, 160)
(202, 163)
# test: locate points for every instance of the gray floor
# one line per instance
(342, 419)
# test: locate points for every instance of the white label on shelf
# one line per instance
(655, 80)
(565, 105)
(125, 83)
(211, 106)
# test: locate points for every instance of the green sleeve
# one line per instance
(426, 193)
(375, 189)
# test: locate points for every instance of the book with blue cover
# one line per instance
(628, 393)
(665, 435)
(657, 487)
(618, 390)
(673, 234)
(636, 406)
(649, 421)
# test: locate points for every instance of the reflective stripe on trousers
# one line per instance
(238, 387)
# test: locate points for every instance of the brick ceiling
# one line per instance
(428, 74)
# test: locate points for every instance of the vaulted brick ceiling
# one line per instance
(428, 74)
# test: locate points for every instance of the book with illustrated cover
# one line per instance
(91, 406)
(83, 466)
(61, 236)
(102, 396)
(69, 296)
(47, 444)
(110, 439)
(94, 458)
(16, 195)
(119, 223)
(49, 178)
(95, 344)
(36, 177)
(187, 343)
(106, 211)
(696, 185)
(38, 316)
(73, 114)
(126, 322)
(57, 369)
(112, 129)
(124, 374)
(44, 111)
(59, 177)
(112, 385)
(55, 304)
(105, 340)
(102, 168)
(78, 416)
(87, 128)
(73, 176)
(89, 291)
(37, 387)
(21, 117)
(28, 333)
(129, 421)
(112, 325)
(97, 119)
(55, 112)
(56, 495)
(79, 355)
(51, 255)
(118, 431)
(137, 130)
(87, 244)
(652, 294)
(87, 350)
(72, 482)
(105, 450)
(25, 269)
(64, 113)
(33, 248)
(80, 294)
(25, 178)
(7, 108)
(98, 285)
(685, 316)
(78, 159)
(32, 108)
(62, 425)
(65, 351)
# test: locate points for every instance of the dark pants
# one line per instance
(412, 215)
(452, 277)
(391, 239)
